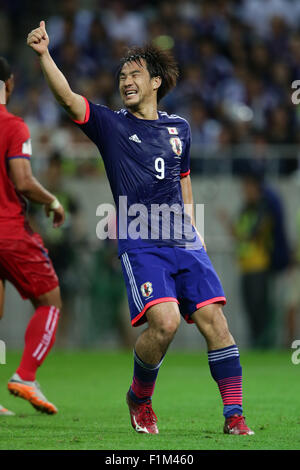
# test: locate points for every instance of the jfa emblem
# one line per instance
(176, 145)
(146, 289)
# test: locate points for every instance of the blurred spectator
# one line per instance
(278, 41)
(280, 129)
(205, 130)
(97, 47)
(259, 99)
(184, 48)
(282, 133)
(216, 67)
(232, 89)
(262, 250)
(292, 299)
(259, 14)
(168, 14)
(125, 25)
(71, 24)
(213, 20)
(238, 57)
(260, 61)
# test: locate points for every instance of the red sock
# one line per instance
(39, 339)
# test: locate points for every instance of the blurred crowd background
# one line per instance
(238, 61)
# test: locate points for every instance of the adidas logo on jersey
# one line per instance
(135, 139)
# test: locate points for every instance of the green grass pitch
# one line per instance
(89, 390)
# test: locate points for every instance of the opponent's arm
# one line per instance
(187, 195)
(21, 175)
(73, 103)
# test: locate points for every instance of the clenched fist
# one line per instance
(38, 39)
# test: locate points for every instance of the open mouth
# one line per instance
(129, 93)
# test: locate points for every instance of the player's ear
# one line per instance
(9, 85)
(156, 82)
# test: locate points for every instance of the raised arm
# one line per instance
(73, 103)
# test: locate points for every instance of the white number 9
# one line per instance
(160, 168)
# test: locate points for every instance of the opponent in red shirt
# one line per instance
(24, 260)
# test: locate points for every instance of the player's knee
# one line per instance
(49, 298)
(167, 328)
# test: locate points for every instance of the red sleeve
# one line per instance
(87, 112)
(19, 145)
(182, 175)
(185, 160)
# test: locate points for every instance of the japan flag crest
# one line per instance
(176, 145)
(146, 289)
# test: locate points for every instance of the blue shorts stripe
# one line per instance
(134, 291)
(134, 283)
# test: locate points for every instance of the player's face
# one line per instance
(135, 84)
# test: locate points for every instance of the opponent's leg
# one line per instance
(39, 339)
(224, 363)
(151, 346)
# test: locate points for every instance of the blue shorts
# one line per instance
(169, 274)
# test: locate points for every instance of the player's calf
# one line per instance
(39, 339)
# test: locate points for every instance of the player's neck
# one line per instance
(148, 111)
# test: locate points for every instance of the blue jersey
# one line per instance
(144, 161)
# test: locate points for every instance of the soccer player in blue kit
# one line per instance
(146, 157)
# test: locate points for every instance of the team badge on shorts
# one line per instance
(176, 145)
(146, 289)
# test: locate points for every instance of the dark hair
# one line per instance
(5, 70)
(160, 63)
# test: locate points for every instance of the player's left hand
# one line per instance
(59, 215)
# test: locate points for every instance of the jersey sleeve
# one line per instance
(97, 124)
(185, 160)
(19, 142)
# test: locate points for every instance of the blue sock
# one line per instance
(226, 370)
(144, 379)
